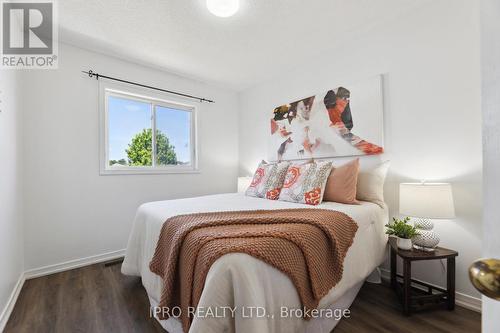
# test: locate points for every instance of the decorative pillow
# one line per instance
(342, 182)
(305, 183)
(371, 184)
(275, 181)
(268, 180)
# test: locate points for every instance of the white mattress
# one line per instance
(239, 280)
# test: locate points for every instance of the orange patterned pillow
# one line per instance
(268, 180)
(342, 182)
(305, 183)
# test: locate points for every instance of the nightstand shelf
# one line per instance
(411, 296)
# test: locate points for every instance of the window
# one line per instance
(144, 132)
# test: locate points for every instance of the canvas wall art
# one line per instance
(343, 121)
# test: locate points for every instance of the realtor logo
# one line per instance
(29, 34)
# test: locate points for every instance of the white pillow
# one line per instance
(370, 185)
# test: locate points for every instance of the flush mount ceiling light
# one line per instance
(223, 8)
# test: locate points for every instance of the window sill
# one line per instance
(125, 171)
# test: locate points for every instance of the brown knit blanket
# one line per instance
(308, 245)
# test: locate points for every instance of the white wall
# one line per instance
(70, 210)
(490, 70)
(11, 225)
(430, 60)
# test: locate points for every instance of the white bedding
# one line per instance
(239, 280)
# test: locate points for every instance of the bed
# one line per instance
(240, 280)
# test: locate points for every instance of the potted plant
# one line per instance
(403, 231)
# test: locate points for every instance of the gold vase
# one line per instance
(485, 277)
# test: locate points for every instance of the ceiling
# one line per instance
(264, 39)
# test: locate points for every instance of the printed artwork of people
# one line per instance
(326, 125)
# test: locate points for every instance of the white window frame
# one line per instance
(107, 89)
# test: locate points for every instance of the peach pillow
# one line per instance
(342, 182)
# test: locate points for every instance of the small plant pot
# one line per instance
(404, 243)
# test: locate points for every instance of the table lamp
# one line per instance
(426, 201)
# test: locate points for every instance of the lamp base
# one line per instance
(426, 240)
(423, 224)
(423, 248)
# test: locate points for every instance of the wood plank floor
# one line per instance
(100, 299)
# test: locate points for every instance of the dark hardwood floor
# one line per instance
(99, 298)
(377, 309)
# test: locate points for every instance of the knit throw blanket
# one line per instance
(308, 245)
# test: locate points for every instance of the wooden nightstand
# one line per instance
(433, 294)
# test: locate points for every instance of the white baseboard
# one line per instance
(468, 302)
(72, 264)
(463, 300)
(4, 316)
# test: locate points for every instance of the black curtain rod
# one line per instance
(97, 76)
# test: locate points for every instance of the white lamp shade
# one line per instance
(243, 183)
(426, 200)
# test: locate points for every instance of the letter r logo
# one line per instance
(27, 27)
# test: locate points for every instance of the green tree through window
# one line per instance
(140, 150)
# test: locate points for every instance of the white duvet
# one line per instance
(240, 281)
